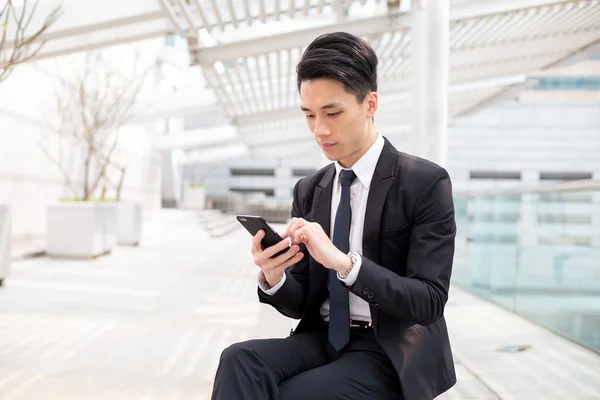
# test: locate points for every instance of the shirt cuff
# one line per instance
(353, 275)
(264, 286)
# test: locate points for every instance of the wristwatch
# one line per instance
(353, 259)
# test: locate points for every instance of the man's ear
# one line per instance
(372, 102)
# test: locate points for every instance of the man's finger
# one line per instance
(256, 239)
(291, 261)
(282, 245)
(284, 260)
(289, 225)
(297, 225)
(302, 235)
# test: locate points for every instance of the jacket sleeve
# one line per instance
(291, 298)
(420, 297)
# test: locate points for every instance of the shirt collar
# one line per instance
(364, 168)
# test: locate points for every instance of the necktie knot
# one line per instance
(347, 176)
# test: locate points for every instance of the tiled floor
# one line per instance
(150, 322)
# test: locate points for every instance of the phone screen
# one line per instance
(254, 223)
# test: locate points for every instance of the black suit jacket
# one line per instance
(408, 249)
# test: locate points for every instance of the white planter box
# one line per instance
(4, 242)
(108, 218)
(194, 198)
(129, 224)
(81, 230)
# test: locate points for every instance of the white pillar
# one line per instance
(171, 180)
(429, 136)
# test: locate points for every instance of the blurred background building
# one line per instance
(188, 110)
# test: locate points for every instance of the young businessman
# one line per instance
(369, 269)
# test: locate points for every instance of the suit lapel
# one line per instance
(322, 200)
(321, 213)
(383, 177)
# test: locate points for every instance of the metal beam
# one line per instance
(175, 21)
(95, 28)
(477, 9)
(361, 27)
(53, 48)
(78, 19)
(185, 10)
(577, 55)
(83, 27)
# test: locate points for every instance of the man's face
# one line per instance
(341, 125)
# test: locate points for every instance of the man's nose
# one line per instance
(321, 128)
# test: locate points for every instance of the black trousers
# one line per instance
(304, 366)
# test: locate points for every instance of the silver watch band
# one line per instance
(353, 260)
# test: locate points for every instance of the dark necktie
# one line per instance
(339, 308)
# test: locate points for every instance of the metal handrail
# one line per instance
(574, 186)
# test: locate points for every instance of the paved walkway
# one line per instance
(150, 323)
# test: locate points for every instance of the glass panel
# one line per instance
(537, 255)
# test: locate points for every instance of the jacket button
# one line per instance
(371, 295)
(366, 290)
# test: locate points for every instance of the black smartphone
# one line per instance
(254, 223)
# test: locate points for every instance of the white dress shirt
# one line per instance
(364, 169)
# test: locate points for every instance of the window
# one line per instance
(565, 176)
(501, 175)
(302, 172)
(252, 172)
(567, 83)
(566, 197)
(565, 219)
(268, 192)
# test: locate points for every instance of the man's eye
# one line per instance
(310, 116)
(334, 114)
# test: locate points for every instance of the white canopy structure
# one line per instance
(492, 44)
(248, 50)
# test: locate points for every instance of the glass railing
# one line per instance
(535, 252)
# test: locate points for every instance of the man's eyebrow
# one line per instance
(326, 106)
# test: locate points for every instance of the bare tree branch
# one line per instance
(62, 168)
(91, 109)
(103, 166)
(23, 48)
(118, 187)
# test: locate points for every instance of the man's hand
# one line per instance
(274, 268)
(318, 244)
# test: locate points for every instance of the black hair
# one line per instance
(346, 58)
